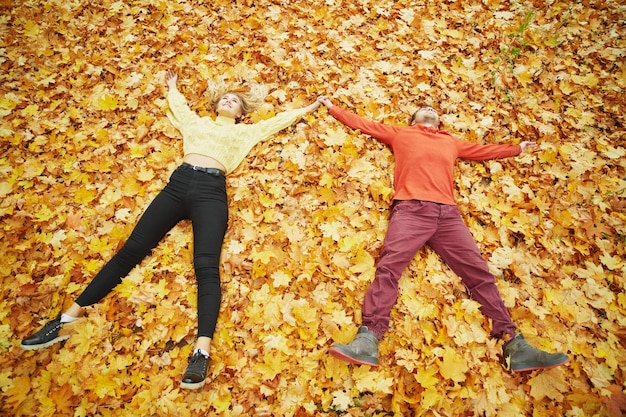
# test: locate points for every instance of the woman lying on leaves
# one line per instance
(196, 191)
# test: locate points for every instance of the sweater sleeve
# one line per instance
(478, 152)
(178, 112)
(377, 130)
(266, 128)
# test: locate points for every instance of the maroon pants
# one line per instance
(413, 224)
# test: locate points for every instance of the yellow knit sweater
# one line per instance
(222, 139)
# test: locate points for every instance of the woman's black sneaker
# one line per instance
(195, 375)
(45, 337)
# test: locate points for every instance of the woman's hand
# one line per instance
(171, 78)
(526, 145)
(325, 101)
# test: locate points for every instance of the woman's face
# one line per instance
(230, 105)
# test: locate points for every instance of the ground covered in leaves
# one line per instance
(85, 145)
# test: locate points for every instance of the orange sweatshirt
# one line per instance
(424, 156)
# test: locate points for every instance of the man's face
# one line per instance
(426, 115)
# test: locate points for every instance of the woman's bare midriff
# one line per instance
(203, 161)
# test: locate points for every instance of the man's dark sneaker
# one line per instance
(363, 350)
(195, 375)
(45, 337)
(519, 356)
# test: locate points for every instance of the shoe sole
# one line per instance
(536, 368)
(45, 345)
(192, 385)
(336, 353)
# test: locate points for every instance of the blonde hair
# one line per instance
(252, 95)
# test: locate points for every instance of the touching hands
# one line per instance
(325, 101)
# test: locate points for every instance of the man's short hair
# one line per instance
(420, 108)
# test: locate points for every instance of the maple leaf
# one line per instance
(16, 393)
(281, 279)
(372, 381)
(271, 366)
(100, 245)
(341, 399)
(616, 402)
(221, 399)
(32, 168)
(430, 397)
(5, 188)
(613, 262)
(453, 366)
(31, 29)
(549, 384)
(44, 213)
(334, 136)
(332, 230)
(107, 102)
(85, 196)
(82, 335)
(145, 175)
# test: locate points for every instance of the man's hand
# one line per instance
(526, 145)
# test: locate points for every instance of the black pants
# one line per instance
(190, 194)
